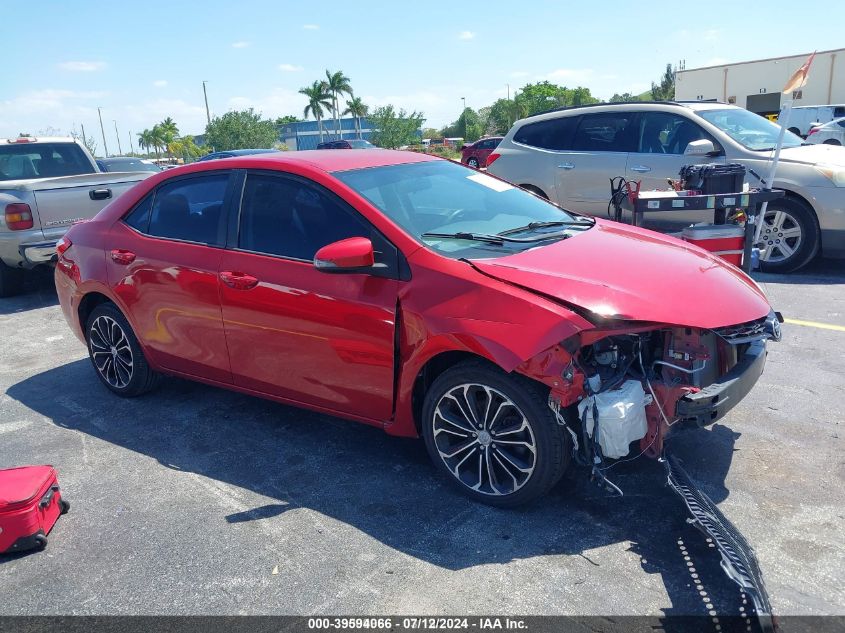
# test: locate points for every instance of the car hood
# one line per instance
(820, 154)
(618, 271)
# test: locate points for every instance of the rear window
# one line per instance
(20, 161)
(549, 134)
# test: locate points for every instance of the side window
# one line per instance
(284, 216)
(139, 217)
(549, 134)
(681, 132)
(838, 111)
(191, 210)
(604, 132)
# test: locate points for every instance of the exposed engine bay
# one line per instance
(620, 387)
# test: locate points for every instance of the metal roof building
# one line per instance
(306, 135)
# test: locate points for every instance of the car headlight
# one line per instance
(835, 174)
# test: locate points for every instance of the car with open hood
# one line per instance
(422, 297)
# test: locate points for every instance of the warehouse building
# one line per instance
(757, 85)
(306, 134)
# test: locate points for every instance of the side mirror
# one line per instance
(352, 255)
(702, 147)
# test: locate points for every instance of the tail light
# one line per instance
(812, 131)
(18, 216)
(492, 158)
(62, 245)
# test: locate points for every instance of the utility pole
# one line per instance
(103, 132)
(464, 115)
(117, 136)
(131, 147)
(205, 94)
(509, 91)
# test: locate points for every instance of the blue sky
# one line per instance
(143, 61)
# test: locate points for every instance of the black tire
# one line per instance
(64, 506)
(102, 324)
(473, 162)
(535, 190)
(527, 409)
(800, 215)
(832, 141)
(40, 542)
(11, 281)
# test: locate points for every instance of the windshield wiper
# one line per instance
(495, 239)
(539, 225)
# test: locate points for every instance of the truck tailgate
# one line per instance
(60, 207)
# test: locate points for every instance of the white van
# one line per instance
(802, 118)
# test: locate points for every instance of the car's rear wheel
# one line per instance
(116, 354)
(789, 238)
(473, 162)
(11, 280)
(832, 141)
(493, 434)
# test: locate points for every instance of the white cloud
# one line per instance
(60, 109)
(518, 74)
(310, 27)
(466, 35)
(290, 68)
(82, 66)
(569, 74)
(240, 44)
(160, 83)
(277, 103)
(712, 35)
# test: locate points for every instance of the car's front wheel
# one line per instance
(789, 238)
(116, 354)
(493, 434)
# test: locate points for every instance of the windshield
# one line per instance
(22, 161)
(129, 165)
(749, 129)
(446, 198)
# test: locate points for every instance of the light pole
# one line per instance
(117, 136)
(464, 115)
(103, 132)
(205, 95)
(131, 146)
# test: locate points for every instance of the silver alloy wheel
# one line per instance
(473, 162)
(484, 439)
(111, 351)
(780, 236)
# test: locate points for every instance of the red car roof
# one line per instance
(328, 160)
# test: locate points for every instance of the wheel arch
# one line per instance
(87, 305)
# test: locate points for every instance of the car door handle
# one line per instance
(566, 166)
(99, 194)
(237, 280)
(122, 257)
(641, 169)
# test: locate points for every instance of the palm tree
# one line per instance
(317, 100)
(157, 139)
(335, 85)
(358, 109)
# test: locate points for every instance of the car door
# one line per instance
(292, 331)
(661, 138)
(163, 259)
(598, 152)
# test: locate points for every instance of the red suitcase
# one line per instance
(30, 503)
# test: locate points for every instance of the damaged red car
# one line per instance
(420, 296)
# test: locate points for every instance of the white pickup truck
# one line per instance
(46, 185)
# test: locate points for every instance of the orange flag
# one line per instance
(799, 77)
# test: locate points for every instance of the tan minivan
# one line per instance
(570, 155)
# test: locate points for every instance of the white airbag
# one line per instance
(622, 418)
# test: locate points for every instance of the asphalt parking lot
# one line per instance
(194, 500)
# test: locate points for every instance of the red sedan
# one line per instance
(475, 154)
(420, 296)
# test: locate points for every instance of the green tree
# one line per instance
(185, 148)
(318, 99)
(357, 109)
(287, 119)
(431, 132)
(394, 129)
(544, 95)
(337, 84)
(665, 91)
(624, 97)
(241, 129)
